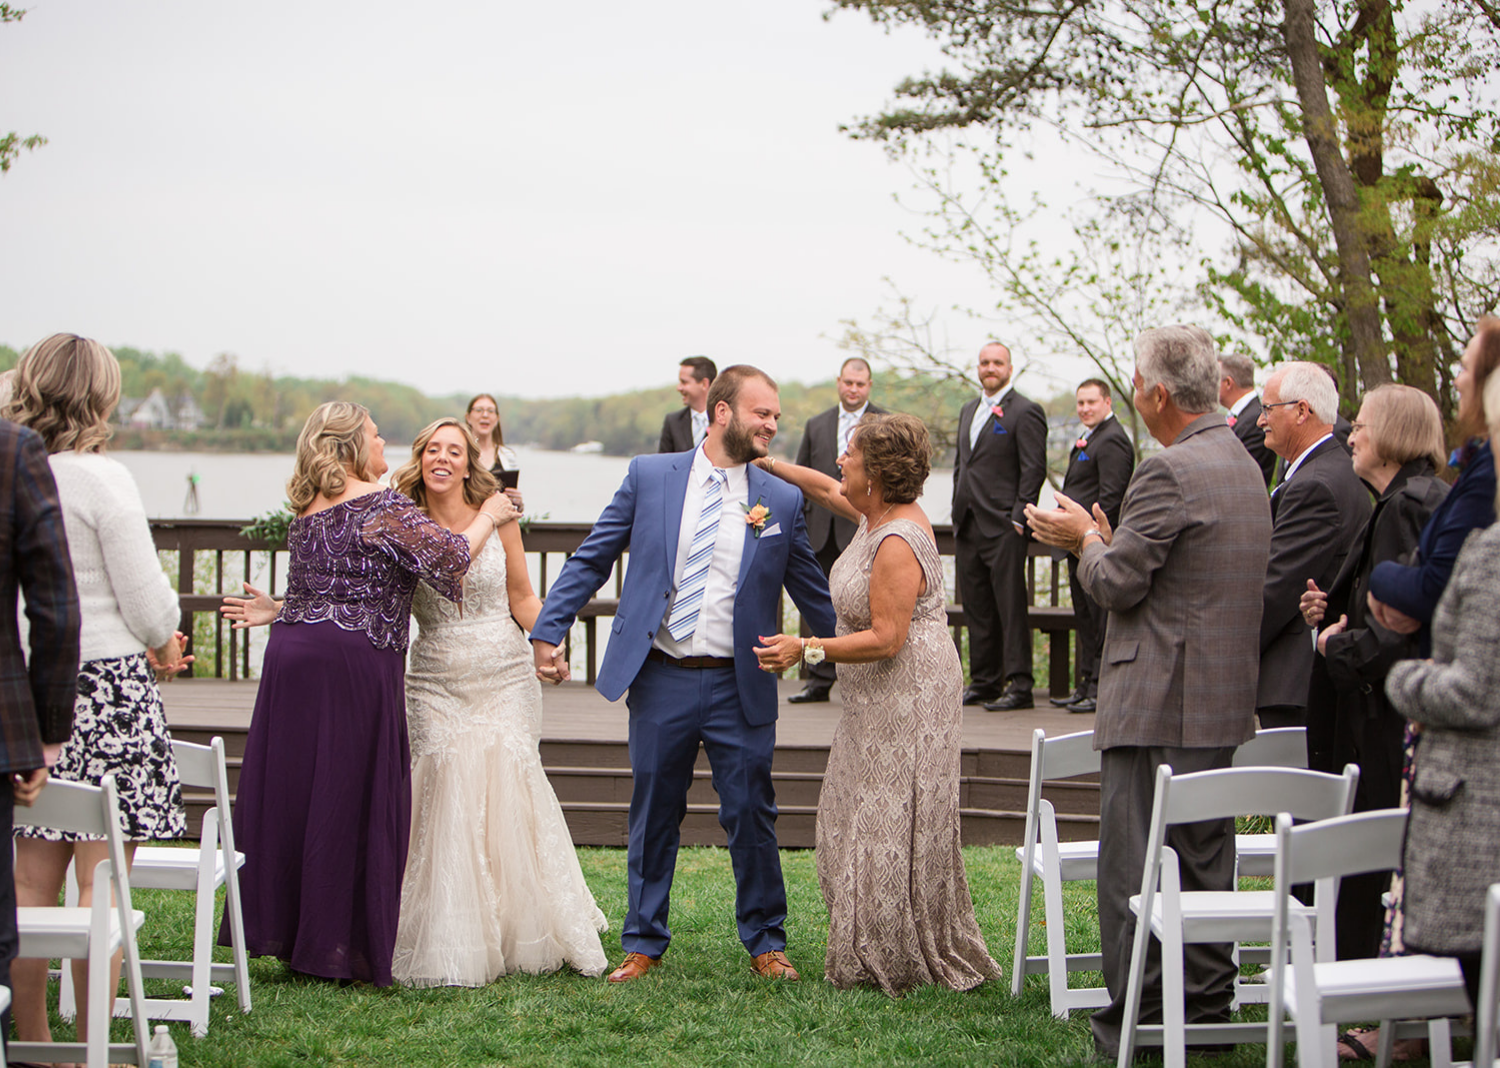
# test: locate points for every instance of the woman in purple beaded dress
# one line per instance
(323, 811)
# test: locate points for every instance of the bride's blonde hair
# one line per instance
(479, 484)
(331, 447)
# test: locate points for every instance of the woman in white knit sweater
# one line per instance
(65, 388)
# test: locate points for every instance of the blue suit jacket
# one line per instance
(646, 517)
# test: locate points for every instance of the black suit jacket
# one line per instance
(1099, 473)
(1247, 429)
(1002, 473)
(820, 451)
(36, 697)
(677, 431)
(1317, 519)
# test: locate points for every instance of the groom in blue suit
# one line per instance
(712, 540)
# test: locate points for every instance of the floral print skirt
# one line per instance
(119, 726)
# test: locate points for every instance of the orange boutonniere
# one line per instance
(756, 517)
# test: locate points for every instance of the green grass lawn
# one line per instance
(703, 1007)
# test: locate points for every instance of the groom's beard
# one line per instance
(740, 443)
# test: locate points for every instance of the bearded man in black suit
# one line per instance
(823, 442)
(1099, 469)
(1002, 460)
(1237, 393)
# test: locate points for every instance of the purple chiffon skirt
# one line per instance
(323, 807)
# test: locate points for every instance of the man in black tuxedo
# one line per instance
(1318, 512)
(823, 442)
(684, 430)
(1099, 469)
(1002, 460)
(1237, 393)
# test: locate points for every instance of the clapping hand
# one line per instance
(1313, 604)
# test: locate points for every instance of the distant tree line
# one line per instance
(258, 412)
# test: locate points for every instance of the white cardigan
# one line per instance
(127, 602)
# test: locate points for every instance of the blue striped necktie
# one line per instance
(689, 599)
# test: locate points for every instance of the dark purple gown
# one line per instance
(323, 810)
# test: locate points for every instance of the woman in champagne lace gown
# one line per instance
(492, 882)
(889, 865)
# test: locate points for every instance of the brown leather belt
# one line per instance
(691, 661)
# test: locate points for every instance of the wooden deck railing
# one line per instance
(212, 556)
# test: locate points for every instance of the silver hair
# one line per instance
(1302, 380)
(1183, 359)
(1240, 369)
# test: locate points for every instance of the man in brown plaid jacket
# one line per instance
(1181, 577)
(36, 694)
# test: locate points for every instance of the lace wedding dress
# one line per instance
(492, 882)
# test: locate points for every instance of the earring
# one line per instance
(868, 489)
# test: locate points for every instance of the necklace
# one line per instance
(882, 516)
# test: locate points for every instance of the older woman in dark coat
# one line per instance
(1397, 446)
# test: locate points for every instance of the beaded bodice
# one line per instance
(357, 565)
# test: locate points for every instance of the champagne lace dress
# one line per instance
(899, 911)
(492, 881)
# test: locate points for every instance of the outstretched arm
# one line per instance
(815, 486)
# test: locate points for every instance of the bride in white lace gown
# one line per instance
(492, 881)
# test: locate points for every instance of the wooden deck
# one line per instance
(584, 750)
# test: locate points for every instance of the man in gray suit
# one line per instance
(1319, 510)
(1181, 578)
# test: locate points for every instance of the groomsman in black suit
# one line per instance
(1099, 469)
(1318, 513)
(684, 430)
(1237, 393)
(1002, 460)
(823, 442)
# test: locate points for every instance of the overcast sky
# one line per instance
(535, 199)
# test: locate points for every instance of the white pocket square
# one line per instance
(771, 531)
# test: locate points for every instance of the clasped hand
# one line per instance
(168, 661)
(551, 665)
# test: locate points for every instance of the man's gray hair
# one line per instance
(1302, 380)
(1240, 369)
(1183, 359)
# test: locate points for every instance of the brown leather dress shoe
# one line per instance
(634, 966)
(774, 965)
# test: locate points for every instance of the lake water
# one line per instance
(567, 487)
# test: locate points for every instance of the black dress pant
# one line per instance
(1089, 618)
(992, 583)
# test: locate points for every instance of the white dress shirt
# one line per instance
(847, 422)
(982, 412)
(1240, 405)
(714, 635)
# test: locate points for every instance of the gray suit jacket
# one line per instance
(1455, 804)
(1181, 580)
(1317, 518)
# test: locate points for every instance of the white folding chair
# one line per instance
(202, 870)
(1489, 984)
(1055, 862)
(1318, 991)
(1177, 918)
(1045, 857)
(1274, 747)
(94, 933)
